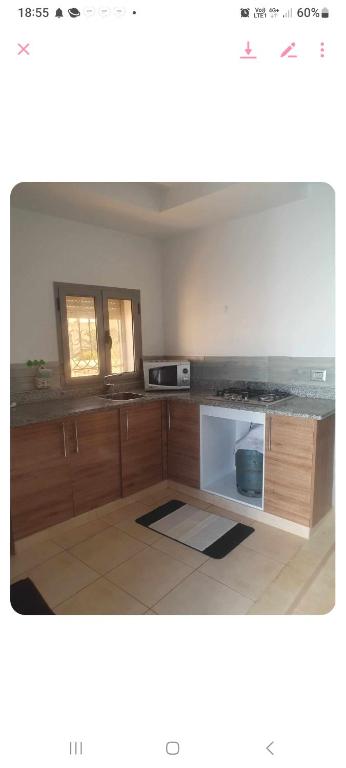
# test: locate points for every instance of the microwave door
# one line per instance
(165, 376)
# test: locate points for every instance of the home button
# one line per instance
(172, 748)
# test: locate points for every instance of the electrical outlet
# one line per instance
(318, 375)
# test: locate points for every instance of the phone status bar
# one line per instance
(261, 13)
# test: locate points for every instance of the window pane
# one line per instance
(82, 336)
(121, 331)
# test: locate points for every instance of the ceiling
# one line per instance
(154, 209)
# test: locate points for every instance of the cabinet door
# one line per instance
(324, 468)
(41, 491)
(184, 443)
(289, 468)
(141, 446)
(94, 447)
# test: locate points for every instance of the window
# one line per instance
(82, 336)
(121, 333)
(99, 331)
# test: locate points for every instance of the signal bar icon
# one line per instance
(288, 14)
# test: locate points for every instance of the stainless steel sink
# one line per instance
(122, 396)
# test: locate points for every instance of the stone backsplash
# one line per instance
(207, 374)
(23, 378)
(292, 374)
(23, 386)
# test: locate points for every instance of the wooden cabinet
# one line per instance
(298, 468)
(67, 467)
(141, 446)
(94, 450)
(183, 443)
(63, 468)
(41, 490)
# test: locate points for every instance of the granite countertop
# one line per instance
(305, 407)
(49, 410)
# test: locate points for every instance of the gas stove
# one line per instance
(254, 396)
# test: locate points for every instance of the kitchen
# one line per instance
(230, 287)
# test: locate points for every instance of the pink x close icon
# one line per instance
(23, 49)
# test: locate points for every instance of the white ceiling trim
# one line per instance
(162, 209)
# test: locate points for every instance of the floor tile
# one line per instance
(323, 536)
(149, 575)
(68, 539)
(111, 506)
(319, 598)
(271, 572)
(306, 562)
(243, 570)
(101, 598)
(156, 499)
(61, 577)
(192, 500)
(180, 551)
(127, 513)
(280, 595)
(35, 538)
(107, 549)
(198, 594)
(33, 556)
(19, 576)
(312, 552)
(139, 532)
(152, 491)
(278, 545)
(53, 531)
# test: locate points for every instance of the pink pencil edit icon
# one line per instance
(286, 52)
(248, 50)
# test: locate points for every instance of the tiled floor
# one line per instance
(108, 564)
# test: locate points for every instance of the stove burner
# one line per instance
(253, 396)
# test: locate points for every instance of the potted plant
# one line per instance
(42, 374)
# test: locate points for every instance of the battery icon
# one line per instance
(324, 13)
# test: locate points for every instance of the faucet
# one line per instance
(110, 385)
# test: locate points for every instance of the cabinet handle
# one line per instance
(76, 436)
(127, 426)
(169, 419)
(64, 436)
(270, 434)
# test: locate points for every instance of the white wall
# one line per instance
(260, 285)
(45, 249)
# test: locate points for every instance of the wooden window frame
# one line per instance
(101, 294)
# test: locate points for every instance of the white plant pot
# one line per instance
(41, 383)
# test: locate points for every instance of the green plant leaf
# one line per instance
(30, 363)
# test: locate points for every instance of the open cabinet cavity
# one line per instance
(223, 432)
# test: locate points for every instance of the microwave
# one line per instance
(164, 374)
